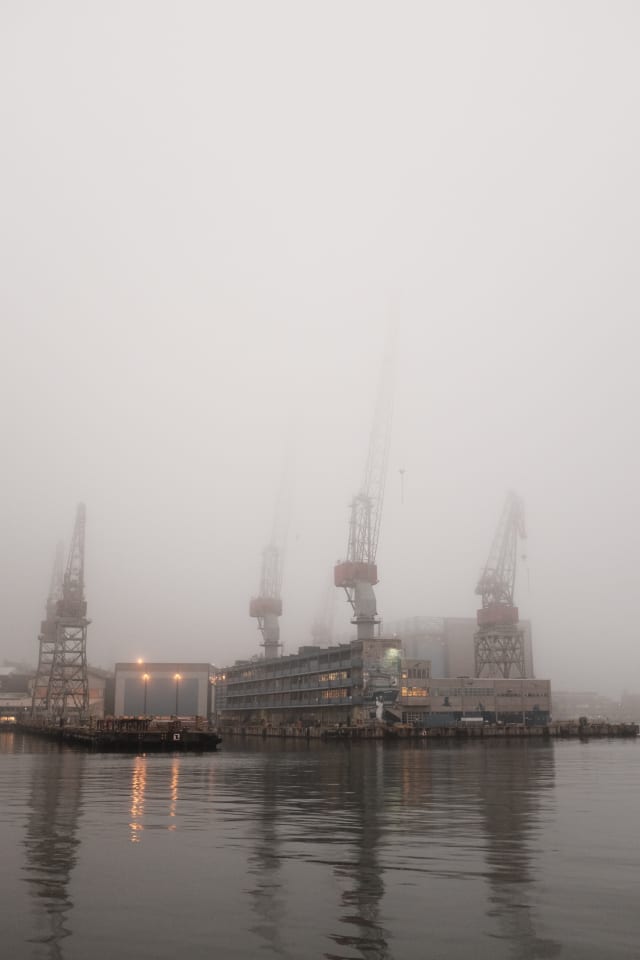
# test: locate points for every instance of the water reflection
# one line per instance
(265, 865)
(138, 792)
(326, 808)
(512, 783)
(405, 822)
(154, 795)
(368, 851)
(51, 845)
(175, 783)
(362, 898)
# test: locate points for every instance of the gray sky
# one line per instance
(210, 213)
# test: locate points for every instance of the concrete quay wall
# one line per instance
(384, 731)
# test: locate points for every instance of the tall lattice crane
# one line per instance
(358, 574)
(68, 685)
(47, 637)
(266, 607)
(499, 642)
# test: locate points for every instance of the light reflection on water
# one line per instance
(372, 851)
(138, 785)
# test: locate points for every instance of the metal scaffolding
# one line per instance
(61, 689)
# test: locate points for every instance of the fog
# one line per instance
(211, 215)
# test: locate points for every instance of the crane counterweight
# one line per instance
(347, 574)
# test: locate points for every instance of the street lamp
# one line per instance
(177, 679)
(145, 677)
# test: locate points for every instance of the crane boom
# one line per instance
(375, 476)
(322, 626)
(497, 581)
(72, 602)
(57, 579)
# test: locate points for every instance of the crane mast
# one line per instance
(47, 636)
(266, 607)
(358, 574)
(499, 641)
(322, 626)
(68, 686)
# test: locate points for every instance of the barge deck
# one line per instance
(140, 734)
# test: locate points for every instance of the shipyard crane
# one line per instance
(499, 641)
(266, 607)
(47, 637)
(358, 573)
(68, 686)
(322, 626)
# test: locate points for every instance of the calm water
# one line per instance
(519, 850)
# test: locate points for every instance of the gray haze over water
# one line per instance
(210, 215)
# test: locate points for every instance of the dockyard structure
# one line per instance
(364, 681)
(357, 574)
(348, 683)
(61, 688)
(499, 640)
(266, 606)
(164, 689)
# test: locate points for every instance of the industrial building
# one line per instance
(164, 689)
(356, 682)
(315, 687)
(493, 699)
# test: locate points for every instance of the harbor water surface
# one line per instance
(500, 850)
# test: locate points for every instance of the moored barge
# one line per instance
(130, 734)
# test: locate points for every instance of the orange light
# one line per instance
(177, 677)
(145, 677)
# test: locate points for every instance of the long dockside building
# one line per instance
(363, 680)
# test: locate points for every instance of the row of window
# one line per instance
(472, 692)
(279, 683)
(232, 692)
(283, 703)
(281, 668)
(340, 693)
